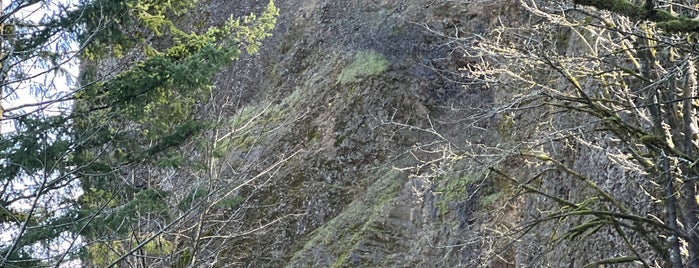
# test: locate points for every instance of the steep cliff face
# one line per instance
(371, 100)
(353, 82)
(374, 142)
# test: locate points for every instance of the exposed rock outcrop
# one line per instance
(391, 140)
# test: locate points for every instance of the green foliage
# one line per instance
(250, 36)
(119, 122)
(171, 161)
(193, 196)
(122, 217)
(156, 247)
(149, 201)
(159, 93)
(130, 22)
(365, 64)
(23, 259)
(177, 138)
(104, 253)
(152, 13)
(37, 151)
(38, 146)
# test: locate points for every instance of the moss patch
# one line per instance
(455, 189)
(506, 126)
(491, 199)
(341, 235)
(365, 64)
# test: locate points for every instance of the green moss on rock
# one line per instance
(341, 235)
(455, 189)
(491, 199)
(365, 64)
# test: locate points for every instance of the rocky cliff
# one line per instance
(360, 137)
(372, 104)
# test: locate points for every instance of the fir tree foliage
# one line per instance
(119, 118)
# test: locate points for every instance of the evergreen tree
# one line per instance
(116, 118)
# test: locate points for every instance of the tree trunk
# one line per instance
(691, 209)
(654, 98)
(2, 64)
